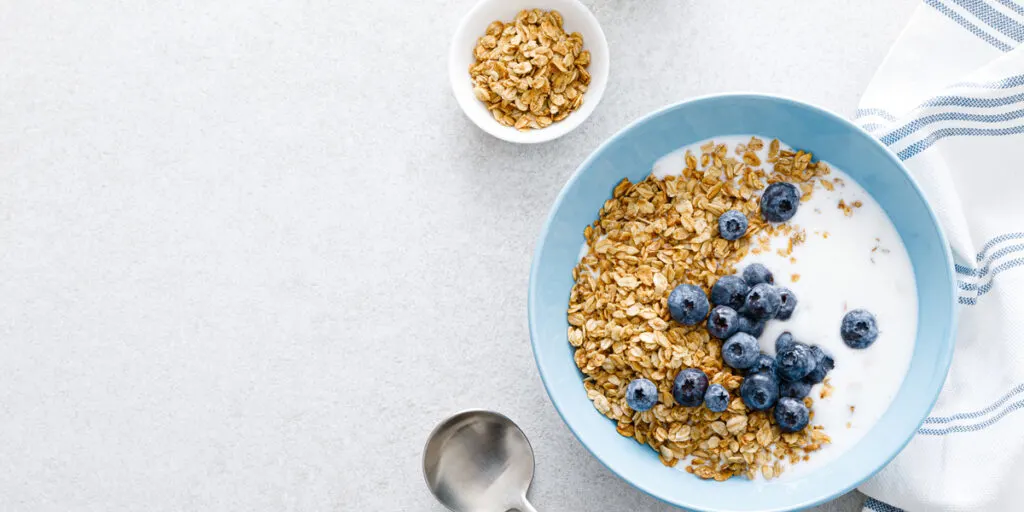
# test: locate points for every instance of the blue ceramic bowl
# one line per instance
(631, 154)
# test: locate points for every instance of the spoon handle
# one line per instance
(525, 506)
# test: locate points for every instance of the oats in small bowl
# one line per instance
(535, 72)
(529, 72)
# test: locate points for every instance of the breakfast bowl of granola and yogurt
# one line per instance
(742, 302)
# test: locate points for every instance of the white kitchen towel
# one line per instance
(949, 101)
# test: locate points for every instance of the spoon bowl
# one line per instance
(479, 461)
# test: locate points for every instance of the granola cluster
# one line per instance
(529, 72)
(648, 238)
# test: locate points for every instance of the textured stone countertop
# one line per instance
(252, 251)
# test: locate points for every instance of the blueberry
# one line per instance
(779, 202)
(784, 340)
(791, 414)
(859, 329)
(764, 363)
(756, 273)
(795, 389)
(787, 303)
(730, 291)
(751, 326)
(763, 301)
(641, 394)
(823, 363)
(716, 399)
(740, 351)
(723, 322)
(689, 387)
(732, 224)
(759, 391)
(794, 362)
(688, 304)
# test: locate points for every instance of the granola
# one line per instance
(529, 72)
(649, 237)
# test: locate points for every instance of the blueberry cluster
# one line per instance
(763, 388)
(796, 368)
(689, 389)
(742, 306)
(780, 382)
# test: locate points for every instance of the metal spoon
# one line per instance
(479, 461)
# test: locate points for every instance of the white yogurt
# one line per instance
(861, 264)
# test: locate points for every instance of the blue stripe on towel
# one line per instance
(1006, 83)
(972, 28)
(872, 126)
(880, 506)
(1006, 25)
(937, 135)
(983, 271)
(987, 287)
(911, 127)
(950, 101)
(1000, 268)
(972, 102)
(979, 413)
(1009, 82)
(960, 429)
(962, 270)
(1011, 5)
(995, 241)
(865, 112)
(980, 288)
(1005, 237)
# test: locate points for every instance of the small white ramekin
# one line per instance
(576, 18)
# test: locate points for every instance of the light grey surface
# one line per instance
(251, 252)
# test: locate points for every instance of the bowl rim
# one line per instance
(946, 358)
(592, 96)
